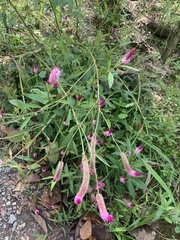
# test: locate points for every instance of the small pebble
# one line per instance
(18, 212)
(8, 203)
(6, 238)
(12, 219)
(21, 226)
(14, 203)
(14, 226)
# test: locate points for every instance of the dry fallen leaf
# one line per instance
(4, 129)
(40, 221)
(33, 178)
(143, 233)
(86, 230)
(20, 186)
(144, 20)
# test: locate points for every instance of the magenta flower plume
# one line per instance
(54, 76)
(108, 133)
(129, 170)
(123, 179)
(85, 182)
(35, 68)
(138, 149)
(127, 58)
(43, 169)
(79, 97)
(63, 151)
(58, 171)
(36, 212)
(35, 155)
(1, 161)
(128, 153)
(94, 122)
(130, 204)
(100, 185)
(90, 136)
(102, 208)
(102, 103)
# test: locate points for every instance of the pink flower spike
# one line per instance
(102, 208)
(127, 167)
(94, 122)
(128, 153)
(54, 76)
(51, 207)
(130, 204)
(127, 58)
(138, 149)
(36, 212)
(1, 116)
(2, 111)
(1, 161)
(34, 155)
(35, 68)
(43, 169)
(150, 163)
(55, 84)
(63, 151)
(85, 182)
(79, 97)
(98, 142)
(58, 171)
(100, 185)
(64, 123)
(145, 190)
(108, 133)
(90, 136)
(133, 173)
(102, 103)
(123, 179)
(78, 200)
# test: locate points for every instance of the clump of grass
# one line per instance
(65, 95)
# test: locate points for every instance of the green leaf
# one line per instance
(177, 229)
(42, 74)
(38, 96)
(158, 150)
(159, 180)
(119, 229)
(25, 158)
(131, 189)
(139, 183)
(66, 140)
(69, 117)
(15, 136)
(122, 115)
(19, 104)
(33, 166)
(110, 79)
(24, 124)
(102, 160)
(51, 151)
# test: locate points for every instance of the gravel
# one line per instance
(16, 221)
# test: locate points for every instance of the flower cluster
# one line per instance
(127, 167)
(54, 76)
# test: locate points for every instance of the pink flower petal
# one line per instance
(127, 58)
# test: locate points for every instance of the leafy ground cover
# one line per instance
(89, 111)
